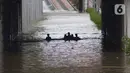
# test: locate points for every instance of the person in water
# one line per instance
(76, 38)
(65, 37)
(71, 37)
(68, 36)
(48, 38)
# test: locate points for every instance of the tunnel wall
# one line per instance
(31, 12)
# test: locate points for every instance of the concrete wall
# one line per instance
(85, 3)
(94, 4)
(31, 12)
(90, 3)
(97, 4)
(127, 19)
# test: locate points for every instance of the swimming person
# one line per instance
(76, 38)
(71, 37)
(65, 37)
(68, 36)
(48, 38)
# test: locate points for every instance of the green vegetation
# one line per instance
(126, 43)
(95, 17)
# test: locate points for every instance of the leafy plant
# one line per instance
(95, 17)
(126, 43)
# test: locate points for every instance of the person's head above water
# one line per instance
(48, 34)
(64, 34)
(72, 35)
(76, 34)
(68, 33)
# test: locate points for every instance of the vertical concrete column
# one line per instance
(98, 2)
(31, 12)
(24, 16)
(127, 13)
(86, 4)
(112, 26)
(10, 24)
(127, 18)
(80, 6)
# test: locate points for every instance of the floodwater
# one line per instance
(58, 56)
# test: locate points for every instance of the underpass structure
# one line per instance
(24, 13)
(84, 56)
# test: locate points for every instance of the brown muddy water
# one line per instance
(84, 56)
(58, 56)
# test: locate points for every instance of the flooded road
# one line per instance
(58, 24)
(84, 56)
(58, 56)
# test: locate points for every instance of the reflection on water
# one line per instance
(113, 62)
(65, 54)
(113, 59)
(84, 56)
(12, 63)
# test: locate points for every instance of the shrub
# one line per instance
(126, 43)
(95, 17)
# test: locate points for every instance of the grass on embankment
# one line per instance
(95, 17)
